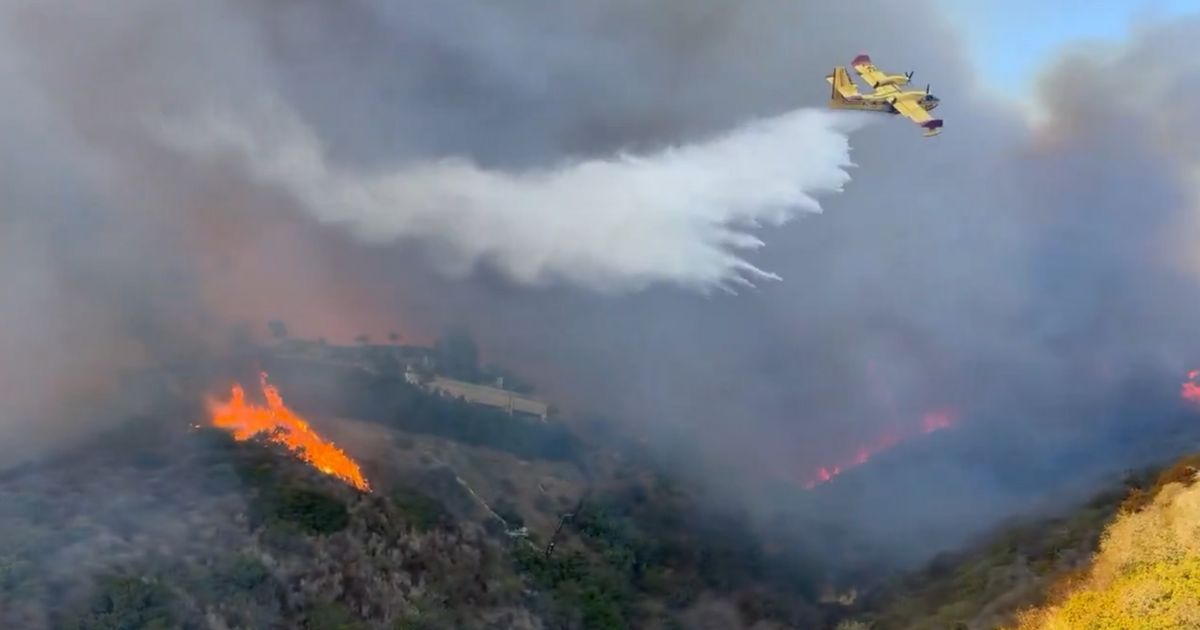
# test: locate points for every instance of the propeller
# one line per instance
(926, 89)
(908, 75)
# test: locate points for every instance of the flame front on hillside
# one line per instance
(245, 420)
(932, 421)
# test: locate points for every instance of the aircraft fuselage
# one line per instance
(883, 102)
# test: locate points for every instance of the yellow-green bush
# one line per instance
(1146, 574)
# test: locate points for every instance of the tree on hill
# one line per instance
(362, 339)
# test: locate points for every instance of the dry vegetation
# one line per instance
(536, 491)
(159, 526)
(1146, 574)
(1128, 560)
(981, 587)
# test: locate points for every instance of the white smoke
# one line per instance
(679, 216)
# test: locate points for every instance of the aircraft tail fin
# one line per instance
(843, 87)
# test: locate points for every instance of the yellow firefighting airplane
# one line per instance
(886, 97)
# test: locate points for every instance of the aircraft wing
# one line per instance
(914, 112)
(911, 110)
(868, 70)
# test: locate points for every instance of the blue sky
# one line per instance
(1011, 39)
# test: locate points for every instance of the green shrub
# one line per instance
(419, 510)
(127, 603)
(597, 592)
(331, 616)
(428, 616)
(601, 610)
(245, 572)
(313, 511)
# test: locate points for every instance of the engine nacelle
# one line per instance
(893, 79)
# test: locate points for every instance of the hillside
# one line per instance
(1146, 574)
(160, 526)
(165, 521)
(1125, 560)
(476, 518)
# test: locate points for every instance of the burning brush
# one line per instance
(244, 420)
(1190, 390)
(931, 422)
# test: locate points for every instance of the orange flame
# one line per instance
(930, 422)
(244, 420)
(1190, 390)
